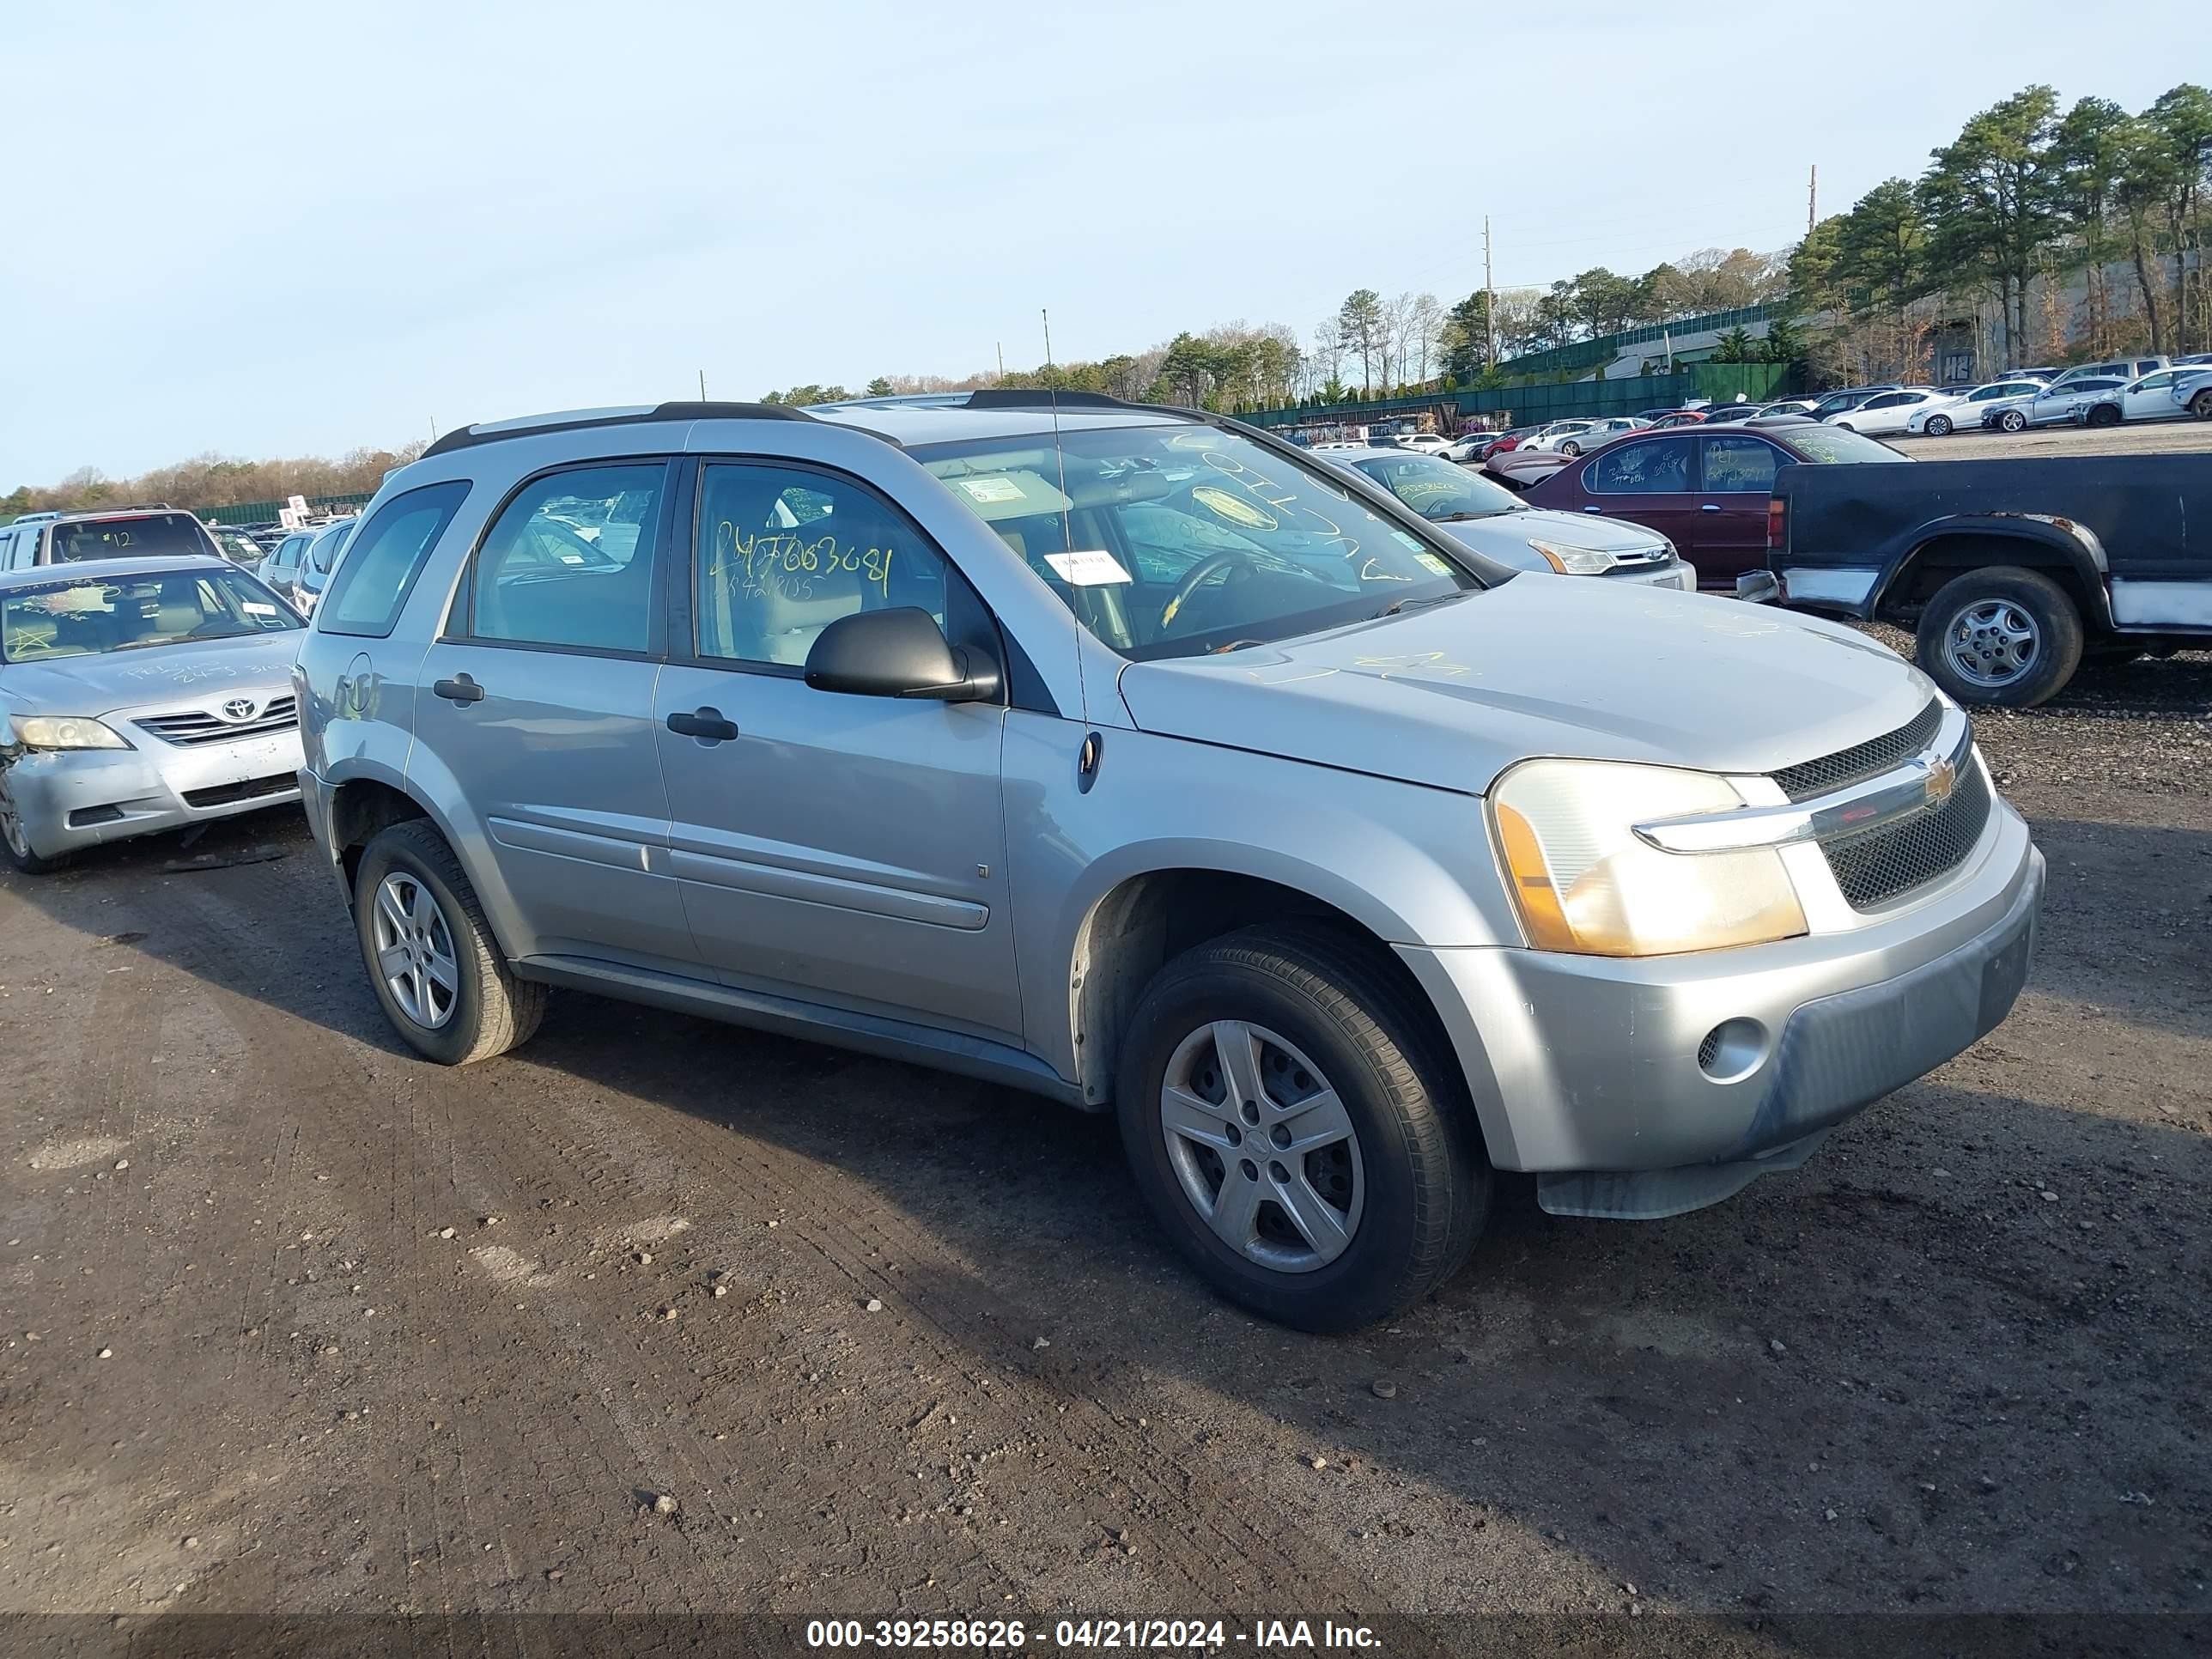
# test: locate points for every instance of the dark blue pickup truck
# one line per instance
(2010, 571)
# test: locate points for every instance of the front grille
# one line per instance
(1877, 865)
(204, 726)
(1867, 760)
(224, 794)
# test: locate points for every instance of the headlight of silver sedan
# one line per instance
(64, 732)
(1574, 561)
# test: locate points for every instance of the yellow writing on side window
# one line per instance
(787, 564)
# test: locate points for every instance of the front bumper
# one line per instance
(77, 798)
(1587, 1070)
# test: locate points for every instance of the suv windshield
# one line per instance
(92, 616)
(135, 536)
(1835, 443)
(1174, 540)
(1439, 491)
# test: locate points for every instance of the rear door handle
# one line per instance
(707, 724)
(1709, 507)
(460, 689)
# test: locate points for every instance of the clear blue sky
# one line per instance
(291, 229)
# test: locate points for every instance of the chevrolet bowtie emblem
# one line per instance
(1943, 778)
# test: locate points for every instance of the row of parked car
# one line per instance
(1273, 802)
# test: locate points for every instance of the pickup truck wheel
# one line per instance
(431, 957)
(1939, 426)
(2005, 635)
(2012, 421)
(1290, 1127)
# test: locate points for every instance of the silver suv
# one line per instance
(1127, 756)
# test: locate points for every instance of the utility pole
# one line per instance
(703, 385)
(1002, 361)
(1489, 303)
(1047, 315)
(1813, 199)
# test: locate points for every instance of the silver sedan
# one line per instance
(140, 695)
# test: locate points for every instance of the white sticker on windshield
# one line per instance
(1412, 543)
(255, 608)
(993, 489)
(1093, 567)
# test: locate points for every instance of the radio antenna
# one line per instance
(1052, 394)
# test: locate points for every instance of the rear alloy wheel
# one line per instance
(1939, 426)
(2004, 636)
(431, 957)
(15, 843)
(1289, 1126)
(1570, 447)
(2012, 421)
(2103, 414)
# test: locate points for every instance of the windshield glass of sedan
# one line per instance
(1440, 491)
(141, 536)
(1835, 443)
(90, 618)
(1173, 540)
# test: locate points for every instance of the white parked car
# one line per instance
(1941, 417)
(1886, 413)
(1426, 443)
(1552, 436)
(2160, 396)
(1601, 432)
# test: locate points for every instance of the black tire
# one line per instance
(2012, 421)
(493, 1010)
(2200, 405)
(1939, 426)
(1570, 447)
(2056, 623)
(15, 845)
(1426, 1182)
(2102, 415)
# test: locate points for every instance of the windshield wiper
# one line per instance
(1396, 605)
(1494, 512)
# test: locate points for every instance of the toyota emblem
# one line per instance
(239, 709)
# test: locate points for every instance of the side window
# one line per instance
(784, 552)
(1642, 468)
(2157, 382)
(569, 562)
(366, 595)
(1739, 465)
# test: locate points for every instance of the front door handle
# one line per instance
(1709, 507)
(460, 689)
(1593, 509)
(707, 723)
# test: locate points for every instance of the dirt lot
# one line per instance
(2155, 438)
(297, 1324)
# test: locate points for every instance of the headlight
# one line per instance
(1584, 882)
(1574, 561)
(64, 732)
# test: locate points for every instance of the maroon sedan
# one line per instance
(1704, 488)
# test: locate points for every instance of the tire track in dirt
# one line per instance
(1202, 1530)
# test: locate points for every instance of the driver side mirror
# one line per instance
(898, 652)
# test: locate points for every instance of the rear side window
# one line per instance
(366, 595)
(570, 561)
(1659, 468)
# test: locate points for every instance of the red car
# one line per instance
(1678, 418)
(1704, 488)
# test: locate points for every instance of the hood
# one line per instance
(1505, 536)
(1453, 695)
(162, 674)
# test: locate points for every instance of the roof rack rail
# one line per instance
(1047, 398)
(468, 436)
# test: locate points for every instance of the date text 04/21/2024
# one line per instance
(1140, 1634)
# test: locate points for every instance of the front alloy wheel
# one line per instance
(1939, 426)
(1262, 1145)
(2012, 421)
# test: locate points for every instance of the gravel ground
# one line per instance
(2143, 438)
(296, 1324)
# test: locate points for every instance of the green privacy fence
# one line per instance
(266, 511)
(1525, 406)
